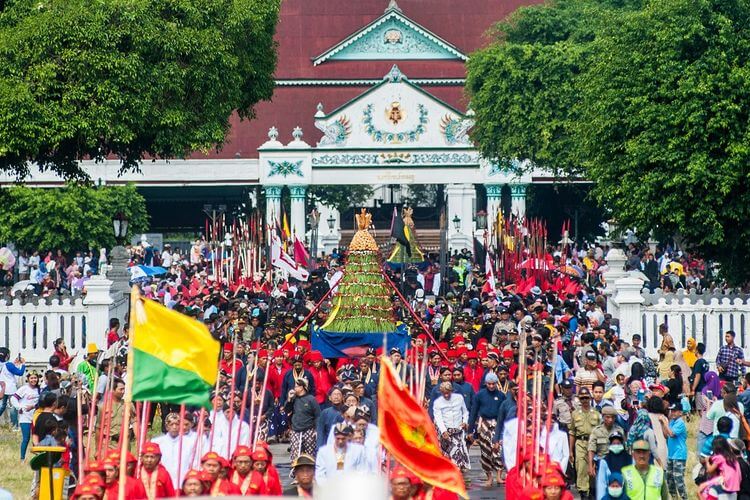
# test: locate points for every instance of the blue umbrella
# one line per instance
(141, 271)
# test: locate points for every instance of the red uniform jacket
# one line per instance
(157, 484)
(226, 366)
(473, 376)
(251, 484)
(324, 378)
(224, 487)
(133, 490)
(275, 378)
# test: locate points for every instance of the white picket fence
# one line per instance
(705, 317)
(30, 325)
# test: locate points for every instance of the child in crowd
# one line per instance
(724, 471)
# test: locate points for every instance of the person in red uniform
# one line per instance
(211, 463)
(279, 367)
(196, 483)
(133, 488)
(94, 481)
(271, 476)
(323, 375)
(154, 475)
(226, 361)
(243, 477)
(473, 371)
(402, 487)
(269, 484)
(94, 468)
(553, 484)
(86, 492)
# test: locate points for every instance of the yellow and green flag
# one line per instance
(174, 357)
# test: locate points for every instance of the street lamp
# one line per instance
(481, 220)
(331, 223)
(119, 257)
(314, 221)
(457, 223)
(120, 224)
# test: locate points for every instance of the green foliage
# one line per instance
(649, 102)
(159, 78)
(72, 218)
(340, 197)
(669, 111)
(422, 195)
(523, 87)
(363, 302)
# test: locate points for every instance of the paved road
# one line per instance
(475, 475)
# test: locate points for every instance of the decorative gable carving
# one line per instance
(394, 113)
(392, 36)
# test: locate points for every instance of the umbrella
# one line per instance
(141, 271)
(7, 259)
(21, 286)
(572, 271)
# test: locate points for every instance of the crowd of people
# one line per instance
(618, 413)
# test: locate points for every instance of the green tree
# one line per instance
(340, 197)
(135, 79)
(649, 103)
(75, 217)
(523, 87)
(665, 129)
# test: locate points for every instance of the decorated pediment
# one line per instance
(394, 113)
(392, 36)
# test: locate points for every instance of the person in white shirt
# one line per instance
(193, 447)
(341, 456)
(225, 435)
(559, 445)
(24, 401)
(451, 420)
(23, 266)
(166, 257)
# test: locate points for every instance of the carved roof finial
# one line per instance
(392, 5)
(395, 75)
(273, 133)
(297, 133)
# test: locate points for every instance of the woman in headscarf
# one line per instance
(641, 429)
(703, 401)
(665, 364)
(656, 409)
(679, 360)
(689, 354)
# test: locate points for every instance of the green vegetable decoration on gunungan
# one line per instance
(362, 317)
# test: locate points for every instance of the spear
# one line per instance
(79, 431)
(260, 407)
(521, 434)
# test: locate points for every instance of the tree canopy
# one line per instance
(72, 218)
(340, 197)
(132, 79)
(650, 102)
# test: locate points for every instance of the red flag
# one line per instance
(407, 432)
(301, 256)
(489, 276)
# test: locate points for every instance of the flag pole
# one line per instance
(79, 429)
(134, 297)
(179, 445)
(260, 409)
(92, 414)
